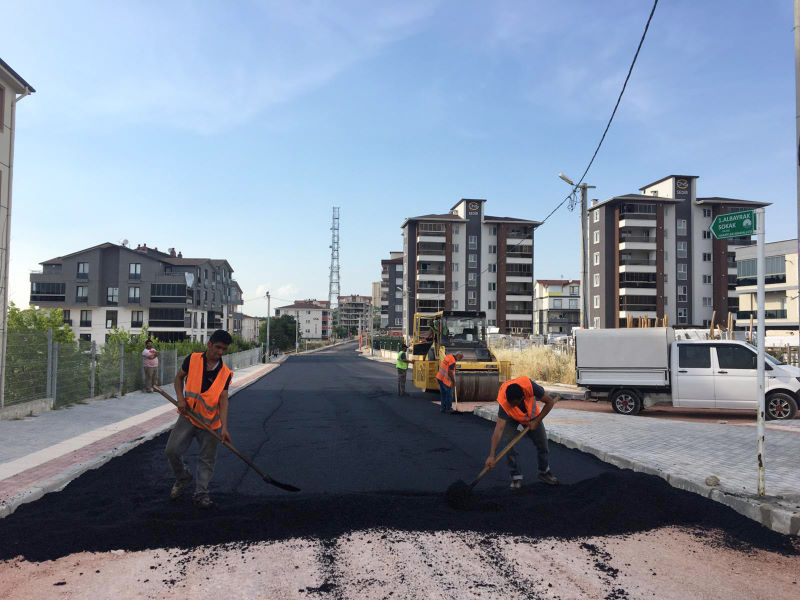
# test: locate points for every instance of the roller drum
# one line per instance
(477, 386)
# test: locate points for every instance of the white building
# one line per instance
(312, 317)
(466, 260)
(250, 328)
(556, 306)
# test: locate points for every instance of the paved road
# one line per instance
(371, 517)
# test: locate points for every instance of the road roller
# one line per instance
(478, 375)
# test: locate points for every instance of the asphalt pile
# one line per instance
(127, 507)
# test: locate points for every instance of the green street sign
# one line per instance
(735, 224)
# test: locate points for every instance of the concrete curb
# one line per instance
(61, 480)
(773, 513)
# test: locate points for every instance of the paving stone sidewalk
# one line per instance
(685, 454)
(44, 453)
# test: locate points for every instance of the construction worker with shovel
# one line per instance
(517, 399)
(206, 396)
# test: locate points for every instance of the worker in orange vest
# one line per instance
(447, 379)
(206, 394)
(517, 399)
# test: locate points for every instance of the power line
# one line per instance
(614, 112)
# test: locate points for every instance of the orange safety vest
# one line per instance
(204, 404)
(444, 370)
(515, 412)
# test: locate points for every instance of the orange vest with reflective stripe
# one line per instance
(444, 375)
(515, 412)
(204, 404)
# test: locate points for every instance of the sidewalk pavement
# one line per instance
(684, 454)
(44, 453)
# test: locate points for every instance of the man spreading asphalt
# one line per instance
(402, 368)
(447, 379)
(517, 399)
(206, 394)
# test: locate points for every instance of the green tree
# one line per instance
(281, 332)
(32, 319)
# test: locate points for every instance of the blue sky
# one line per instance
(230, 129)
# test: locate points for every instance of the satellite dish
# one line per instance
(124, 242)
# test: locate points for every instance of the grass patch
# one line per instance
(540, 364)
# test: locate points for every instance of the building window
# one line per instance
(596, 258)
(398, 308)
(398, 320)
(455, 267)
(134, 295)
(665, 300)
(681, 271)
(137, 318)
(83, 270)
(596, 216)
(683, 316)
(706, 256)
(573, 290)
(492, 305)
(492, 286)
(492, 322)
(681, 250)
(706, 234)
(134, 270)
(493, 268)
(596, 237)
(706, 278)
(573, 303)
(706, 301)
(493, 230)
(398, 294)
(472, 242)
(472, 279)
(398, 281)
(707, 212)
(596, 280)
(111, 319)
(86, 318)
(681, 227)
(473, 260)
(556, 302)
(682, 293)
(66, 316)
(454, 305)
(472, 298)
(455, 285)
(596, 301)
(82, 293)
(492, 249)
(666, 233)
(597, 322)
(666, 278)
(455, 247)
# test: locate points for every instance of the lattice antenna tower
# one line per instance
(333, 282)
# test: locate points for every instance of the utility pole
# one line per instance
(296, 331)
(584, 245)
(269, 318)
(797, 145)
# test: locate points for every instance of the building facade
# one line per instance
(110, 286)
(392, 292)
(652, 255)
(556, 306)
(466, 260)
(780, 287)
(250, 328)
(312, 316)
(355, 312)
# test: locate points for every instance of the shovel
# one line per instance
(264, 476)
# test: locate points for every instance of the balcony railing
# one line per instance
(778, 313)
(637, 307)
(637, 261)
(430, 272)
(515, 254)
(637, 238)
(647, 285)
(85, 323)
(81, 298)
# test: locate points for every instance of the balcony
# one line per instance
(81, 298)
(85, 323)
(780, 313)
(68, 322)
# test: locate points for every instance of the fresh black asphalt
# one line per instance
(331, 423)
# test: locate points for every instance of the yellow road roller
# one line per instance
(478, 375)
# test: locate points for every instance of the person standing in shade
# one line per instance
(402, 368)
(150, 364)
(447, 379)
(206, 395)
(517, 399)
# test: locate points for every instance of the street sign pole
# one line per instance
(760, 268)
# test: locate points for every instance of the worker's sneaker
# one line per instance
(204, 501)
(516, 484)
(548, 478)
(177, 489)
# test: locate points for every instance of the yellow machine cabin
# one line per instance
(478, 375)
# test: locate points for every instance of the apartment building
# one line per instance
(112, 285)
(652, 255)
(312, 316)
(355, 312)
(556, 305)
(250, 328)
(780, 287)
(392, 292)
(467, 260)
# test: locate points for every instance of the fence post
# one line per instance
(92, 367)
(121, 364)
(55, 373)
(49, 362)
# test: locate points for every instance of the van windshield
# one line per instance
(769, 358)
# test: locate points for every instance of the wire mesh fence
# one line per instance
(37, 367)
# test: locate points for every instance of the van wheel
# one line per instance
(781, 406)
(626, 402)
